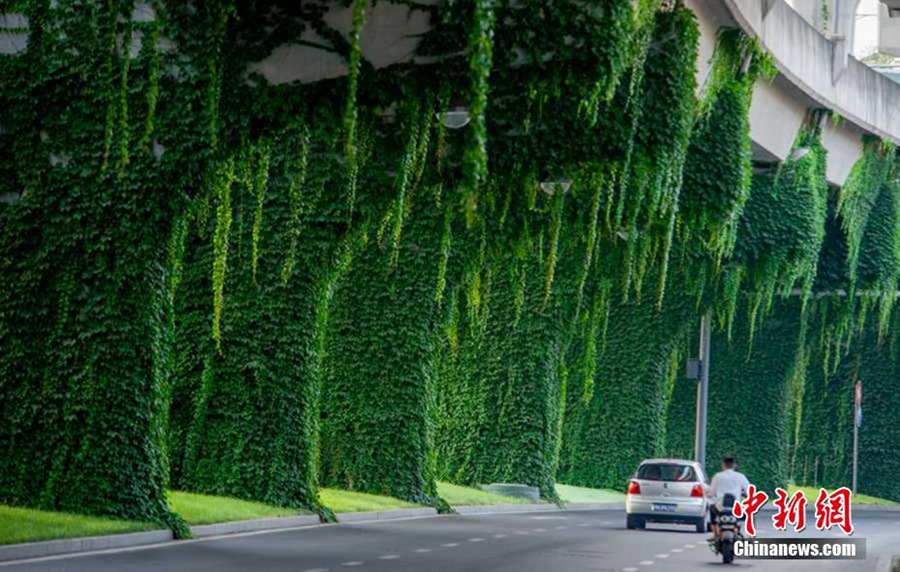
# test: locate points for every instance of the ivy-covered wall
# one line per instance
(377, 371)
(87, 281)
(245, 400)
(624, 421)
(878, 460)
(750, 398)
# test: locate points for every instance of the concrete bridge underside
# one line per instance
(815, 68)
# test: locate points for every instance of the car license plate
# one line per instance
(660, 507)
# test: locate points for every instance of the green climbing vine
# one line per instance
(783, 228)
(717, 172)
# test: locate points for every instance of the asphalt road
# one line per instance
(555, 542)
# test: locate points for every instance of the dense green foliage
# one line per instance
(242, 288)
(625, 420)
(245, 405)
(783, 228)
(717, 170)
(377, 367)
(85, 310)
(750, 414)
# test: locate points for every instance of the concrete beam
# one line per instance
(843, 141)
(775, 118)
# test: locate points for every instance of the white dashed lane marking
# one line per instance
(646, 563)
(352, 563)
(677, 550)
(499, 536)
(661, 556)
(476, 539)
(562, 528)
(689, 546)
(539, 530)
(451, 544)
(422, 550)
(629, 569)
(389, 557)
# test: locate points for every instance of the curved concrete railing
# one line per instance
(821, 67)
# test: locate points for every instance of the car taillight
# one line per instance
(634, 488)
(697, 491)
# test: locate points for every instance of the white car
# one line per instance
(668, 490)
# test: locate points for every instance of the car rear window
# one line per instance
(666, 472)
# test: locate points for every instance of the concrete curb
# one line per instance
(385, 514)
(218, 529)
(607, 505)
(88, 544)
(504, 508)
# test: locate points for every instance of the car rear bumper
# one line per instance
(686, 510)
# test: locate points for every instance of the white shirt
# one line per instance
(726, 482)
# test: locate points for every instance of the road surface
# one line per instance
(556, 542)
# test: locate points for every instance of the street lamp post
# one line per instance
(702, 392)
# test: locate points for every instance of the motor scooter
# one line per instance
(729, 531)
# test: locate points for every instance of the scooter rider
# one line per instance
(726, 482)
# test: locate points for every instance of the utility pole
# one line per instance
(702, 393)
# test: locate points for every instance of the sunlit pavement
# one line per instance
(555, 542)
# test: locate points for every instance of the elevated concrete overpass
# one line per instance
(816, 70)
